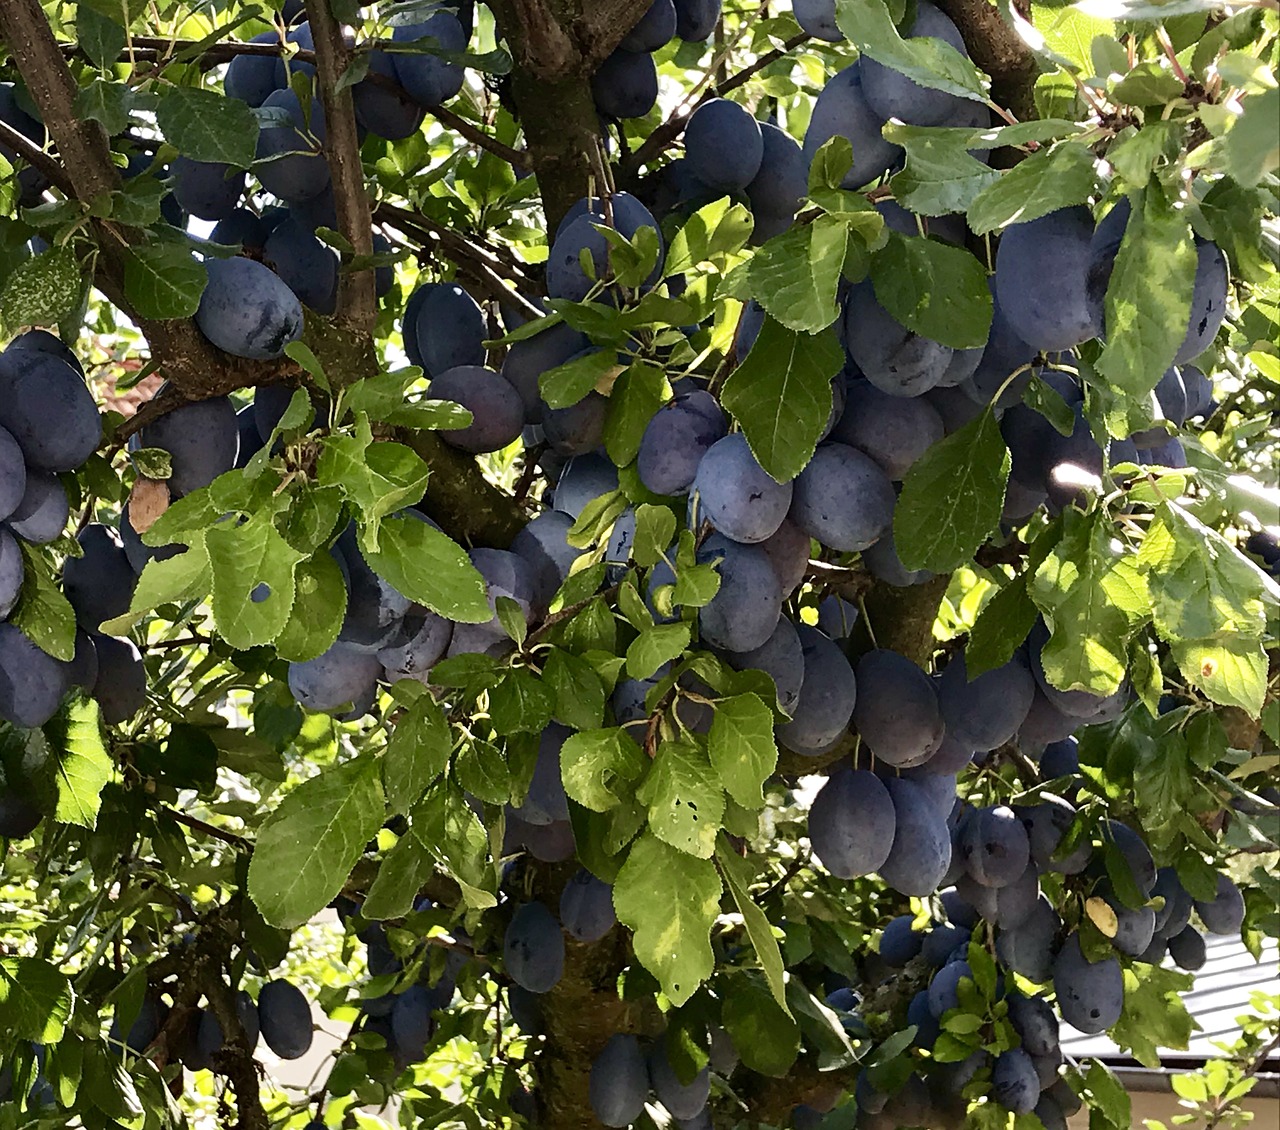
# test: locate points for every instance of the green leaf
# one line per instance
(105, 102)
(428, 567)
(207, 126)
(185, 576)
(600, 767)
(929, 62)
(444, 822)
(36, 1000)
(1248, 151)
(416, 754)
(712, 233)
(567, 384)
(952, 497)
(84, 765)
(934, 289)
(378, 478)
(40, 291)
(1147, 84)
(579, 694)
(670, 901)
(44, 614)
(766, 1036)
(319, 607)
(1149, 296)
(655, 646)
(781, 395)
(1000, 629)
(1137, 156)
(1044, 182)
(1094, 599)
(1162, 783)
(520, 703)
(401, 875)
(1231, 671)
(163, 280)
(794, 276)
(821, 1027)
(684, 797)
(636, 395)
(742, 748)
(308, 846)
(655, 529)
(253, 580)
(737, 876)
(100, 38)
(941, 175)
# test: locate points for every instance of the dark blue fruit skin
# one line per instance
(209, 190)
(450, 329)
(944, 989)
(144, 1028)
(386, 112)
(533, 948)
(625, 85)
(285, 1018)
(42, 341)
(893, 358)
(121, 684)
(202, 439)
(921, 852)
(738, 496)
(892, 95)
(428, 79)
(696, 19)
(13, 474)
(425, 646)
(673, 444)
(546, 802)
(290, 162)
(619, 1081)
(18, 817)
(842, 109)
(497, 415)
(342, 674)
(1135, 852)
(779, 188)
(781, 658)
(1090, 994)
(745, 611)
(818, 19)
(99, 584)
(241, 228)
(1028, 947)
(827, 695)
(577, 429)
(247, 310)
(994, 846)
(681, 1100)
(565, 277)
(308, 267)
(412, 1025)
(1036, 1022)
(900, 943)
(655, 29)
(851, 824)
(843, 498)
(254, 78)
(542, 543)
(985, 712)
(586, 907)
(505, 574)
(527, 360)
(894, 430)
(723, 145)
(1187, 949)
(1041, 269)
(1224, 914)
(37, 387)
(897, 712)
(1014, 1083)
(788, 551)
(210, 1037)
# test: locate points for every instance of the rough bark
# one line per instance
(998, 49)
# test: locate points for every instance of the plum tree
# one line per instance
(847, 610)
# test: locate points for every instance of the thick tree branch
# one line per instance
(36, 157)
(999, 50)
(357, 303)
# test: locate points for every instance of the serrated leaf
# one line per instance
(655, 646)
(430, 568)
(737, 877)
(1000, 629)
(781, 395)
(929, 62)
(208, 126)
(711, 233)
(253, 580)
(1148, 297)
(1040, 184)
(742, 748)
(795, 275)
(401, 875)
(308, 846)
(599, 767)
(684, 798)
(670, 901)
(84, 765)
(319, 607)
(567, 384)
(952, 497)
(44, 614)
(163, 280)
(457, 841)
(416, 754)
(378, 478)
(36, 1000)
(40, 291)
(579, 694)
(934, 289)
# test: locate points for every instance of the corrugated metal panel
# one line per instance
(1221, 994)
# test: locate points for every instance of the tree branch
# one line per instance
(999, 50)
(357, 302)
(36, 157)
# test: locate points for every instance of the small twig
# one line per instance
(36, 157)
(540, 633)
(198, 825)
(477, 136)
(483, 259)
